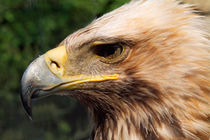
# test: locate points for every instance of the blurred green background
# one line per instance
(28, 28)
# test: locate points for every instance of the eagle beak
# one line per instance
(35, 79)
(46, 76)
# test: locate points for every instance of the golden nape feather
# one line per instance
(143, 71)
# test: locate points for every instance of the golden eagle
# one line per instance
(143, 71)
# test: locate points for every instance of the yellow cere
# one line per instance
(56, 59)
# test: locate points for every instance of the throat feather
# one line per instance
(135, 125)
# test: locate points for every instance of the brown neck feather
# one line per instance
(141, 117)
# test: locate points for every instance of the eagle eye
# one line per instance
(109, 53)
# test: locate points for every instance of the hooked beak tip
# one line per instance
(27, 105)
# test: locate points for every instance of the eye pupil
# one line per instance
(108, 51)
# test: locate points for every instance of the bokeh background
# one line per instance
(28, 28)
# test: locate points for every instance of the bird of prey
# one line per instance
(142, 70)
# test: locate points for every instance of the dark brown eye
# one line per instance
(110, 53)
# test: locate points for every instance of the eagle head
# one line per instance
(143, 71)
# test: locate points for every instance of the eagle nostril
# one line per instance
(54, 64)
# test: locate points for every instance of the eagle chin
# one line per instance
(143, 71)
